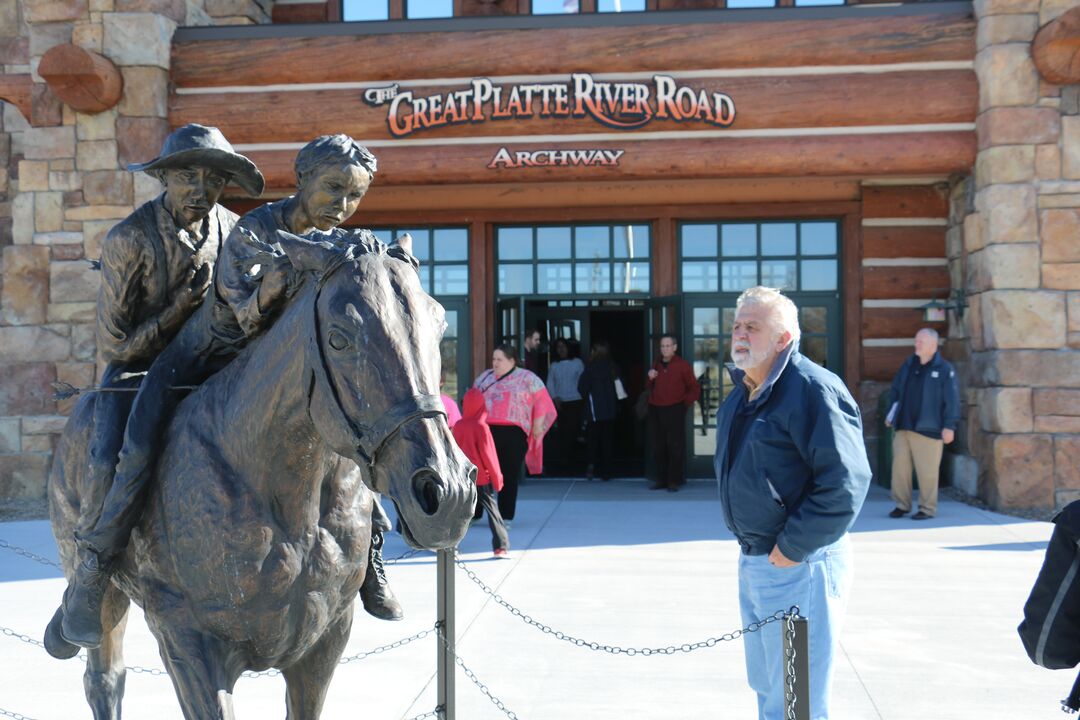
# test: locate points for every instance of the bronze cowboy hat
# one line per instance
(195, 144)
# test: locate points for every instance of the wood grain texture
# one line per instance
(904, 282)
(86, 81)
(826, 156)
(760, 102)
(896, 242)
(790, 43)
(922, 201)
(881, 363)
(18, 90)
(896, 323)
(1056, 49)
(301, 12)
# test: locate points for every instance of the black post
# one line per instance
(796, 666)
(447, 626)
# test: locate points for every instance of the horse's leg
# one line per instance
(307, 681)
(103, 680)
(197, 668)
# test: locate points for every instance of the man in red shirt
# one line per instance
(673, 389)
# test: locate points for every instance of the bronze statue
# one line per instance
(156, 267)
(255, 535)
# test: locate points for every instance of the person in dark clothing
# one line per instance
(1050, 630)
(924, 407)
(473, 436)
(597, 388)
(672, 389)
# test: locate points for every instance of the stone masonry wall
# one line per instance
(63, 185)
(1019, 249)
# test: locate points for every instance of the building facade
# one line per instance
(601, 175)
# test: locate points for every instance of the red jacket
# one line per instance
(473, 436)
(675, 384)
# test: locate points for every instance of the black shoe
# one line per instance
(921, 516)
(658, 486)
(81, 609)
(897, 513)
(55, 644)
(375, 593)
(673, 489)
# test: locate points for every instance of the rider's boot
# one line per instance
(375, 593)
(81, 624)
(55, 644)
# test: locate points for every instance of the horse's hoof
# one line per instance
(55, 644)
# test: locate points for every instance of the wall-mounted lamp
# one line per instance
(935, 310)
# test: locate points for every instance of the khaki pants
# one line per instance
(925, 453)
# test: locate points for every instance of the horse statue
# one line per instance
(255, 537)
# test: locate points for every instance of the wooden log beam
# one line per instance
(910, 282)
(906, 241)
(761, 102)
(924, 37)
(897, 323)
(1056, 49)
(912, 154)
(86, 81)
(18, 90)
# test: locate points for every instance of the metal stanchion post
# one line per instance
(448, 629)
(796, 667)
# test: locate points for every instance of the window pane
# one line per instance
(421, 241)
(451, 324)
(387, 236)
(554, 278)
(637, 281)
(591, 242)
(738, 239)
(553, 242)
(706, 321)
(778, 239)
(819, 238)
(554, 7)
(425, 280)
(808, 3)
(815, 348)
(631, 241)
(699, 277)
(594, 277)
(738, 276)
(354, 10)
(778, 274)
(812, 320)
(515, 244)
(620, 6)
(699, 241)
(451, 244)
(448, 350)
(451, 279)
(515, 279)
(728, 321)
(818, 274)
(416, 9)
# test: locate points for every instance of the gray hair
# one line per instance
(333, 149)
(932, 333)
(779, 306)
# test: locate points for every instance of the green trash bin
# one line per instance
(885, 443)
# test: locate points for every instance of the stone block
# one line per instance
(973, 327)
(23, 476)
(1061, 276)
(974, 237)
(73, 198)
(57, 238)
(997, 29)
(99, 126)
(1070, 99)
(146, 188)
(174, 9)
(1072, 302)
(96, 155)
(26, 389)
(1008, 213)
(984, 8)
(94, 232)
(1047, 162)
(1060, 235)
(1017, 126)
(47, 143)
(62, 164)
(1059, 201)
(74, 251)
(30, 344)
(1006, 410)
(1057, 424)
(10, 435)
(102, 6)
(64, 180)
(1023, 319)
(1007, 76)
(83, 342)
(98, 212)
(37, 443)
(43, 425)
(75, 282)
(1050, 10)
(997, 267)
(48, 212)
(963, 471)
(146, 92)
(1067, 462)
(1005, 164)
(1070, 147)
(1023, 470)
(46, 11)
(33, 175)
(78, 374)
(107, 187)
(25, 290)
(46, 110)
(138, 39)
(140, 138)
(90, 36)
(66, 312)
(22, 219)
(1028, 368)
(9, 22)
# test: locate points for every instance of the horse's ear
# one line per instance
(304, 254)
(404, 242)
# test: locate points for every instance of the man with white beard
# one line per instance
(792, 473)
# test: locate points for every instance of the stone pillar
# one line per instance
(1021, 257)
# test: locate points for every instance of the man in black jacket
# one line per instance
(924, 407)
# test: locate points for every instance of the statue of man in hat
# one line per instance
(156, 267)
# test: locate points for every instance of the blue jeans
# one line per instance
(820, 587)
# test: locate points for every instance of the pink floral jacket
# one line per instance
(520, 398)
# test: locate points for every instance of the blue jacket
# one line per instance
(790, 464)
(940, 407)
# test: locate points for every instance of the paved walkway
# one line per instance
(930, 633)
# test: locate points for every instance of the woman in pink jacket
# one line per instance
(473, 436)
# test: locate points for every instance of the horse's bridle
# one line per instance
(367, 439)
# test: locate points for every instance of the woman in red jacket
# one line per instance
(473, 436)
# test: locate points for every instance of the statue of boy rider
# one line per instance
(156, 267)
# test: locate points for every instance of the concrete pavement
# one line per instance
(930, 633)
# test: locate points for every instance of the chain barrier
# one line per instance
(790, 699)
(472, 676)
(29, 555)
(436, 713)
(616, 649)
(15, 715)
